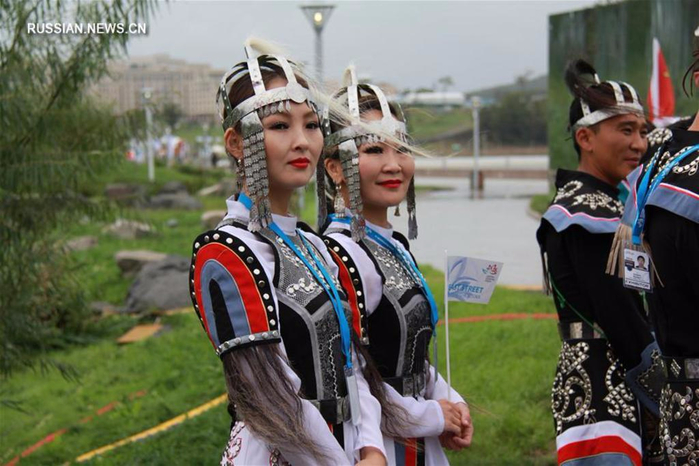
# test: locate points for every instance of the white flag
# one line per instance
(471, 280)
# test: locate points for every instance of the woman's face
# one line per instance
(293, 143)
(384, 171)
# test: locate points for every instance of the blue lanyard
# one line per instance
(407, 262)
(646, 188)
(325, 281)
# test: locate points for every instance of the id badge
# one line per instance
(637, 268)
(353, 393)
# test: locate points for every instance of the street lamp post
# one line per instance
(475, 107)
(146, 96)
(318, 14)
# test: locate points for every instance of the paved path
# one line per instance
(496, 227)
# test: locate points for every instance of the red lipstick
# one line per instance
(391, 184)
(301, 162)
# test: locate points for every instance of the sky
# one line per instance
(408, 44)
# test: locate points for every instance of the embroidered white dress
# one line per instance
(244, 447)
(423, 408)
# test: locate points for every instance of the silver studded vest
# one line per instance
(309, 326)
(399, 330)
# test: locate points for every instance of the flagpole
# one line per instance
(446, 320)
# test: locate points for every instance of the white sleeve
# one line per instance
(323, 249)
(426, 417)
(437, 388)
(317, 429)
(371, 280)
(369, 428)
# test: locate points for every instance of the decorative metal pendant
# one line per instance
(339, 202)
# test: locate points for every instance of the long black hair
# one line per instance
(693, 68)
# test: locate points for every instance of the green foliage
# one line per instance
(517, 118)
(505, 369)
(540, 202)
(54, 138)
(193, 177)
(425, 124)
(169, 113)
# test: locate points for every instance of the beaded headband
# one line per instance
(622, 107)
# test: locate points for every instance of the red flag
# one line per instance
(661, 96)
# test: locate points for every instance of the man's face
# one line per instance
(616, 145)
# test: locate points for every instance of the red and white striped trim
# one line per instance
(598, 438)
(686, 192)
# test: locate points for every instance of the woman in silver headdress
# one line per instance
(264, 287)
(370, 170)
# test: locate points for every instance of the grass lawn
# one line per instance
(540, 202)
(425, 123)
(504, 368)
(126, 172)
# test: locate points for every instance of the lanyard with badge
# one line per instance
(637, 261)
(326, 282)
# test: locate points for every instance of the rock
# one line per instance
(224, 188)
(211, 218)
(102, 308)
(125, 193)
(172, 223)
(81, 243)
(173, 187)
(161, 285)
(130, 262)
(227, 186)
(129, 229)
(212, 190)
(174, 201)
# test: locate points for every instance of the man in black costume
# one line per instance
(609, 361)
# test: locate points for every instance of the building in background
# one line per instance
(190, 86)
(617, 39)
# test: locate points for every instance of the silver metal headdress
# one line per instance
(622, 107)
(252, 171)
(349, 138)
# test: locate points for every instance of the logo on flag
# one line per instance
(471, 280)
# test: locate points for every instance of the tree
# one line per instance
(517, 118)
(446, 82)
(170, 113)
(54, 138)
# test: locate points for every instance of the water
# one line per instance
(496, 227)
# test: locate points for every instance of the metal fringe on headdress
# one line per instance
(320, 192)
(255, 166)
(349, 159)
(412, 214)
